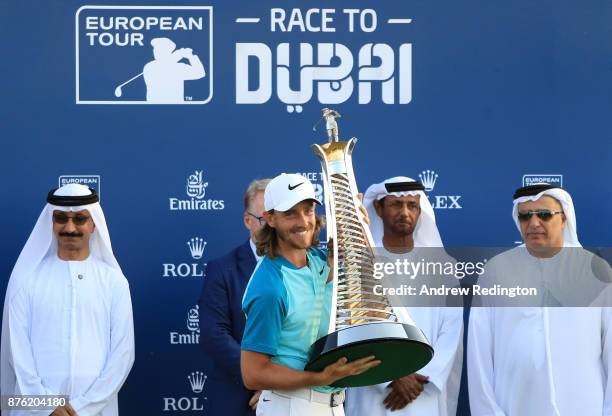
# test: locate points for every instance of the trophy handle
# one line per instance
(331, 231)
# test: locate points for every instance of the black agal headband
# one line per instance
(533, 190)
(404, 186)
(72, 201)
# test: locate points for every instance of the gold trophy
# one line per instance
(361, 322)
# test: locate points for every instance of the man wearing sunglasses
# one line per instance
(221, 317)
(67, 326)
(548, 354)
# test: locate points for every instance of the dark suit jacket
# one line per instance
(221, 328)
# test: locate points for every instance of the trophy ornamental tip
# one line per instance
(330, 116)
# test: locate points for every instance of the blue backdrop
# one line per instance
(485, 95)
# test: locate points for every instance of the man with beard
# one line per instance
(531, 359)
(404, 227)
(67, 326)
(287, 305)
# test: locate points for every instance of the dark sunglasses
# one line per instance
(76, 220)
(543, 214)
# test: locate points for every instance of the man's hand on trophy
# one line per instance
(362, 209)
(342, 368)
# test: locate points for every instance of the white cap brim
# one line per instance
(287, 205)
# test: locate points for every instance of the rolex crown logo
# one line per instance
(428, 178)
(197, 379)
(196, 247)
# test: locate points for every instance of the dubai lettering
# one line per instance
(330, 72)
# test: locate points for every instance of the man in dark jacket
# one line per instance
(221, 317)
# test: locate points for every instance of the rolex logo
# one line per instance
(428, 178)
(197, 379)
(192, 268)
(196, 247)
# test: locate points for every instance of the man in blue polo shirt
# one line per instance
(287, 306)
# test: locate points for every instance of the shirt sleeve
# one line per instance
(120, 356)
(265, 309)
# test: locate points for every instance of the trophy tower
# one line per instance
(361, 322)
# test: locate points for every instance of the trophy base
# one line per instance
(401, 348)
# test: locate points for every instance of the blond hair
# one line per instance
(255, 187)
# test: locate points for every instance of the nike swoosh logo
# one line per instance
(266, 400)
(291, 188)
(321, 272)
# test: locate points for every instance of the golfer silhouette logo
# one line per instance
(165, 75)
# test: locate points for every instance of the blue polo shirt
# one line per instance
(287, 309)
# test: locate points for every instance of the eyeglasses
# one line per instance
(77, 220)
(543, 214)
(260, 219)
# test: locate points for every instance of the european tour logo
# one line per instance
(144, 54)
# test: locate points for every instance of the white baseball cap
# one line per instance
(286, 190)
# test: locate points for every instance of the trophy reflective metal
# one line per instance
(361, 322)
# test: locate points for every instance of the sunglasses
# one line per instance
(543, 214)
(76, 220)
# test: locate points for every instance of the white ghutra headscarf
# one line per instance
(535, 192)
(42, 243)
(425, 232)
